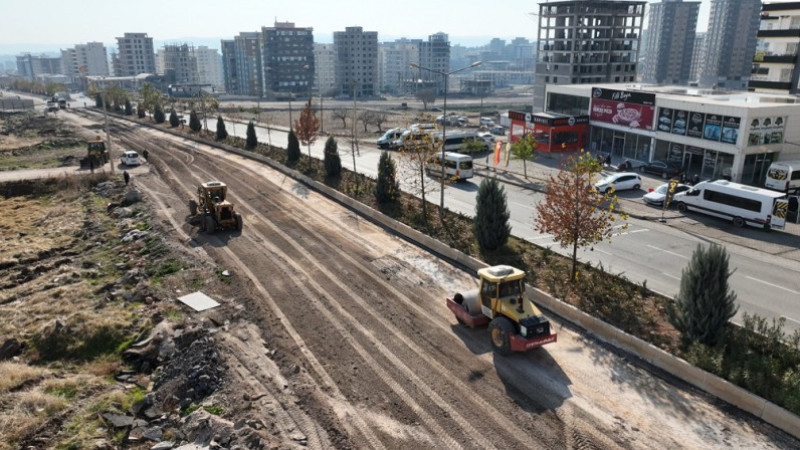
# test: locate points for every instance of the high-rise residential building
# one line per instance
(288, 59)
(135, 55)
(230, 74)
(586, 42)
(32, 67)
(730, 43)
(776, 64)
(356, 62)
(698, 63)
(325, 69)
(670, 43)
(85, 59)
(209, 68)
(394, 62)
(180, 64)
(247, 67)
(435, 55)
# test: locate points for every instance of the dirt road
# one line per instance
(339, 336)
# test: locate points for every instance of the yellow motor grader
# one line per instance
(515, 323)
(214, 211)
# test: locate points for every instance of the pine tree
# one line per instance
(140, 111)
(252, 141)
(490, 226)
(292, 149)
(704, 304)
(128, 108)
(194, 122)
(173, 119)
(333, 163)
(222, 133)
(158, 115)
(98, 100)
(387, 188)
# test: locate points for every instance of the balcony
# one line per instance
(794, 33)
(775, 59)
(755, 84)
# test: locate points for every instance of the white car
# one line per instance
(656, 197)
(487, 138)
(130, 158)
(619, 182)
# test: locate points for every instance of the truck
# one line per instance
(213, 209)
(515, 323)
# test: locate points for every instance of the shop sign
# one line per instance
(630, 109)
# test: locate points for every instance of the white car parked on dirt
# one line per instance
(130, 158)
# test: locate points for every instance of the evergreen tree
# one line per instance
(222, 133)
(333, 163)
(158, 114)
(490, 226)
(252, 141)
(140, 111)
(293, 149)
(705, 303)
(194, 122)
(173, 119)
(387, 188)
(128, 108)
(98, 100)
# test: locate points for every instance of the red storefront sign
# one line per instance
(553, 134)
(625, 108)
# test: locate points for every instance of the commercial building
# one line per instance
(714, 134)
(586, 42)
(356, 62)
(775, 65)
(730, 43)
(288, 59)
(670, 42)
(135, 55)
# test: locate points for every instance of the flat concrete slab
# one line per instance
(198, 301)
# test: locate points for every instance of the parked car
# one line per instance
(656, 197)
(498, 130)
(387, 140)
(619, 182)
(486, 122)
(664, 168)
(487, 138)
(130, 158)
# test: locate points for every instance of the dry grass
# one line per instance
(13, 375)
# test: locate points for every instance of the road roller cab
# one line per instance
(515, 323)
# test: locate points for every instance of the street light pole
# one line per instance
(446, 76)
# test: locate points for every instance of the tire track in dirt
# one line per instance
(349, 416)
(499, 418)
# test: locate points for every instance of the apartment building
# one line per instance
(135, 55)
(670, 43)
(34, 67)
(775, 65)
(586, 42)
(325, 69)
(394, 64)
(435, 55)
(730, 43)
(356, 62)
(288, 59)
(209, 68)
(85, 59)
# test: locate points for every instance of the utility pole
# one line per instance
(355, 119)
(108, 133)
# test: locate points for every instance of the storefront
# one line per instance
(554, 132)
(734, 135)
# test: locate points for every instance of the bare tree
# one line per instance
(365, 117)
(426, 96)
(341, 114)
(378, 118)
(413, 160)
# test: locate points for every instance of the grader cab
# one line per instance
(214, 211)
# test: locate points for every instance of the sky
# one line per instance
(50, 25)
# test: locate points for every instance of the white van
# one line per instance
(742, 204)
(130, 158)
(457, 166)
(454, 141)
(387, 140)
(783, 176)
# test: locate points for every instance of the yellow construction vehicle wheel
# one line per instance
(210, 224)
(192, 207)
(238, 218)
(500, 330)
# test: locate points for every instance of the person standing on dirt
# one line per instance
(145, 154)
(126, 176)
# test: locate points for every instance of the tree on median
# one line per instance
(490, 225)
(251, 141)
(524, 149)
(306, 126)
(573, 211)
(222, 133)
